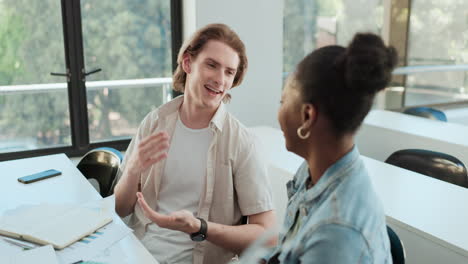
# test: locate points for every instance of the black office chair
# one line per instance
(396, 247)
(101, 164)
(426, 112)
(431, 163)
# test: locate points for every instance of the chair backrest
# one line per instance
(431, 163)
(426, 112)
(396, 247)
(101, 164)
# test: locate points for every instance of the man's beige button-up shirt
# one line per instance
(236, 181)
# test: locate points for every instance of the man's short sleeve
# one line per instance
(251, 180)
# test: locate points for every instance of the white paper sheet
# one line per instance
(94, 244)
(45, 254)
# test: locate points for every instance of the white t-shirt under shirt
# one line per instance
(181, 187)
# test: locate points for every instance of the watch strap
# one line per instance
(203, 226)
(201, 234)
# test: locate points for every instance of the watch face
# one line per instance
(198, 237)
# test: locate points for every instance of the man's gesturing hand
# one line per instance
(150, 150)
(182, 220)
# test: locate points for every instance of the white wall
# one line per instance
(259, 24)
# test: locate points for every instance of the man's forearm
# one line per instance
(125, 194)
(235, 238)
(238, 238)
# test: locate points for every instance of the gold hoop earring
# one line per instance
(299, 133)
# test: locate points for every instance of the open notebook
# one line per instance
(56, 224)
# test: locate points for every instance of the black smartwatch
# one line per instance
(201, 234)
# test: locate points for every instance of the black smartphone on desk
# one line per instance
(39, 176)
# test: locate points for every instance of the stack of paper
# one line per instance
(78, 232)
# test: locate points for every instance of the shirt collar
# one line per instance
(170, 107)
(335, 172)
(174, 105)
(219, 117)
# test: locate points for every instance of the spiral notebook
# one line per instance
(58, 225)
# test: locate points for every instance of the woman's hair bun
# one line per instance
(368, 63)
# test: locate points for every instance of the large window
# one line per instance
(112, 63)
(311, 24)
(132, 46)
(430, 36)
(34, 110)
(437, 52)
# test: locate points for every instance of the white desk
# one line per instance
(429, 215)
(384, 132)
(70, 187)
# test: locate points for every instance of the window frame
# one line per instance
(74, 62)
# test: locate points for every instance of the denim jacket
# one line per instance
(341, 218)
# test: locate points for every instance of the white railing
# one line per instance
(94, 85)
(429, 68)
(11, 145)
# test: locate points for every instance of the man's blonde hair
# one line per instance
(194, 45)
